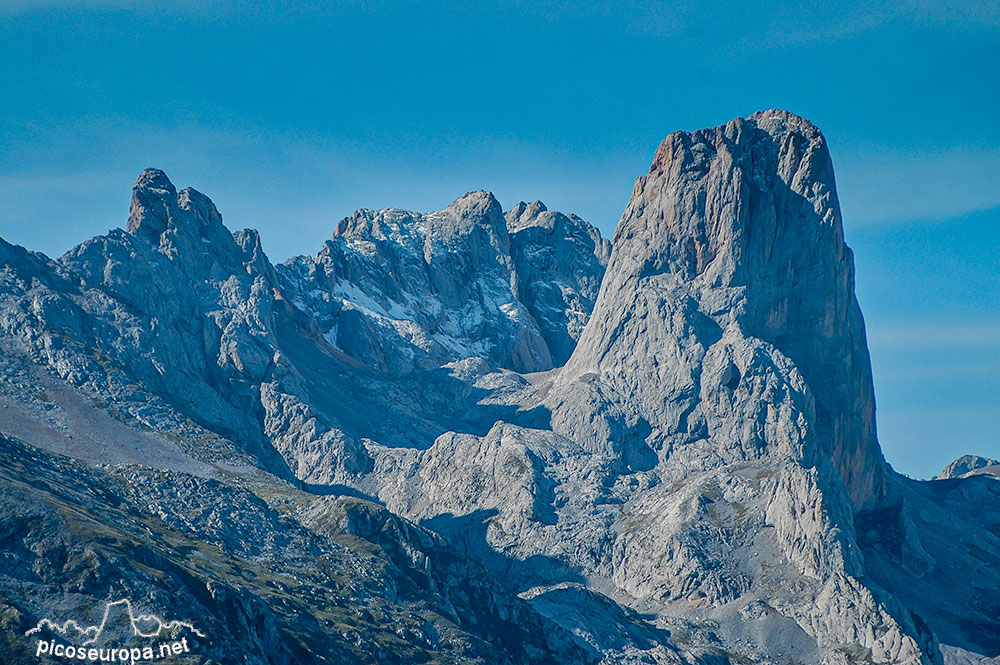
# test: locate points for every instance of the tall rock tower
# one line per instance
(732, 249)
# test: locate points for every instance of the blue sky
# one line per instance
(292, 118)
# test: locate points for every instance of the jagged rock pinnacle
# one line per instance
(736, 231)
(699, 483)
(154, 199)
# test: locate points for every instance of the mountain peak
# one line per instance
(154, 179)
(157, 206)
(967, 465)
(479, 204)
(524, 215)
(154, 200)
(785, 120)
(737, 228)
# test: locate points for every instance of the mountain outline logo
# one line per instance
(94, 632)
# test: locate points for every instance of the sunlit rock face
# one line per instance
(496, 433)
(560, 261)
(731, 256)
(969, 464)
(402, 291)
(716, 413)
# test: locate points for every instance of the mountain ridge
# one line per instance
(664, 446)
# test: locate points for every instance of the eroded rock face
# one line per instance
(727, 342)
(699, 482)
(717, 414)
(560, 262)
(967, 464)
(176, 308)
(730, 257)
(403, 292)
(173, 322)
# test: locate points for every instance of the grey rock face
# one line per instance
(662, 452)
(736, 234)
(148, 300)
(179, 311)
(560, 262)
(716, 413)
(402, 291)
(965, 465)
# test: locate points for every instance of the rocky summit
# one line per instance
(478, 436)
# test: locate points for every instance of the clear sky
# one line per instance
(290, 119)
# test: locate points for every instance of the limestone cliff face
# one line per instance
(661, 451)
(403, 292)
(734, 239)
(560, 262)
(967, 465)
(712, 434)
